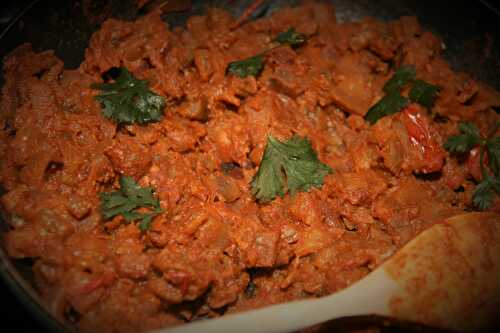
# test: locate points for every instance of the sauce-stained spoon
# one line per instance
(448, 277)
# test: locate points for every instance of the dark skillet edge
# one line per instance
(16, 16)
(20, 286)
(28, 296)
(466, 27)
(491, 5)
(25, 292)
(384, 324)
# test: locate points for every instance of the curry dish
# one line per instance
(187, 173)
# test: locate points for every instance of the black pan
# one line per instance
(469, 29)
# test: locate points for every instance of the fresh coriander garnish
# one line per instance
(493, 149)
(404, 75)
(421, 92)
(470, 137)
(127, 200)
(391, 103)
(247, 67)
(289, 166)
(252, 66)
(290, 37)
(129, 100)
(485, 192)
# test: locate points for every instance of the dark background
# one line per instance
(482, 20)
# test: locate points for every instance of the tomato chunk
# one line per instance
(103, 280)
(423, 138)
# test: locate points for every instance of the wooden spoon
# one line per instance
(447, 277)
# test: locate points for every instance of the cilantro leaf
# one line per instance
(288, 166)
(485, 192)
(247, 67)
(468, 139)
(493, 149)
(391, 103)
(252, 66)
(423, 93)
(469, 129)
(290, 37)
(125, 202)
(146, 220)
(129, 100)
(402, 76)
